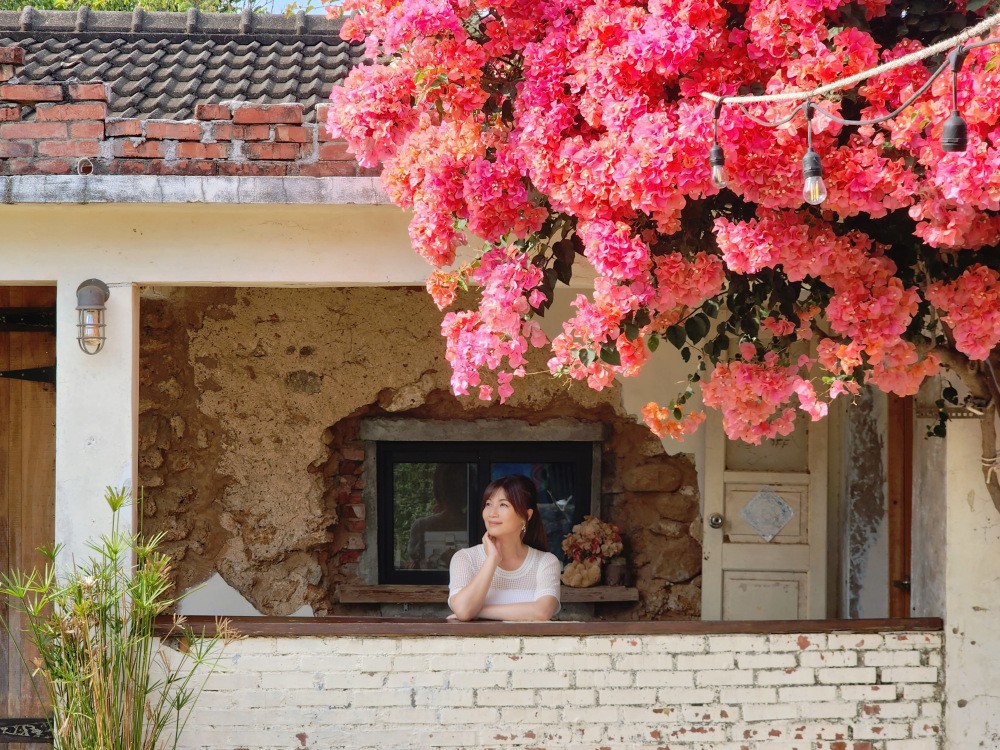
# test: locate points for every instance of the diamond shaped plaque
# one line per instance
(767, 513)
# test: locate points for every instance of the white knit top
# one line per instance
(538, 576)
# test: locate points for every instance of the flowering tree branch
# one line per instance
(561, 132)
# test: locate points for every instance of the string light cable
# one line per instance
(954, 136)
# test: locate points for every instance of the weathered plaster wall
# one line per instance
(865, 554)
(972, 580)
(251, 401)
(929, 559)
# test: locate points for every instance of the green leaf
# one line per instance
(711, 307)
(697, 327)
(631, 331)
(950, 395)
(587, 356)
(676, 335)
(686, 354)
(652, 342)
(677, 413)
(610, 355)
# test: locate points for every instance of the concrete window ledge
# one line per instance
(404, 627)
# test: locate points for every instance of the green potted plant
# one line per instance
(104, 661)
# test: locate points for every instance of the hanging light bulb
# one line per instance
(813, 188)
(955, 135)
(717, 158)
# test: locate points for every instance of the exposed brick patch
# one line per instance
(87, 129)
(293, 134)
(34, 130)
(272, 151)
(203, 150)
(253, 169)
(251, 132)
(212, 112)
(249, 114)
(10, 149)
(63, 112)
(69, 148)
(31, 93)
(88, 92)
(70, 121)
(40, 166)
(11, 56)
(115, 128)
(221, 131)
(328, 169)
(129, 149)
(174, 131)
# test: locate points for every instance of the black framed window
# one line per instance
(429, 497)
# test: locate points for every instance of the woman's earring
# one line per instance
(524, 528)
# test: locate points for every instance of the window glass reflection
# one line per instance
(431, 507)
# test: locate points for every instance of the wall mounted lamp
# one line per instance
(90, 298)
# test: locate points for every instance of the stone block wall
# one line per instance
(252, 462)
(800, 691)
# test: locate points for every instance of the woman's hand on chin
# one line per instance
(491, 548)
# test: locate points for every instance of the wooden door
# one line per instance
(765, 548)
(27, 481)
(899, 447)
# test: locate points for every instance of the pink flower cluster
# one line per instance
(663, 421)
(755, 397)
(495, 337)
(499, 121)
(971, 307)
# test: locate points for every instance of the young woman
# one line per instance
(511, 575)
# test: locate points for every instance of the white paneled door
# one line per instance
(765, 543)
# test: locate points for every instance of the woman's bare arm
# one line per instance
(540, 609)
(467, 603)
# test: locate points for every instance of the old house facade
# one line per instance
(270, 350)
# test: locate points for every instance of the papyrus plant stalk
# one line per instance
(112, 682)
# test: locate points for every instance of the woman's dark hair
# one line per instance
(523, 496)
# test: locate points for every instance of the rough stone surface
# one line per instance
(251, 404)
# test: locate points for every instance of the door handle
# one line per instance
(903, 584)
(715, 520)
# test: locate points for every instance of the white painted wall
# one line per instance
(129, 245)
(877, 691)
(972, 580)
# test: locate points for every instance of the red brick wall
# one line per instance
(48, 128)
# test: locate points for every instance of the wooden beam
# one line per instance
(387, 594)
(387, 627)
(899, 446)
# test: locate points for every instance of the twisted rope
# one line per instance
(990, 466)
(985, 25)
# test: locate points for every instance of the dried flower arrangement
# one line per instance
(591, 543)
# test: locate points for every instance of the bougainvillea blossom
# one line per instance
(555, 133)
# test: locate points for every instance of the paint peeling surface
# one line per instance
(251, 402)
(808, 691)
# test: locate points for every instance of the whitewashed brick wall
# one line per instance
(725, 692)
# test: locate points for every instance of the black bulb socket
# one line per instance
(955, 136)
(716, 156)
(811, 165)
